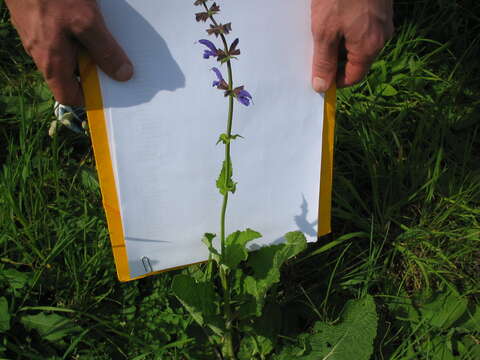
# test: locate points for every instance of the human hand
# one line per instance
(362, 25)
(53, 32)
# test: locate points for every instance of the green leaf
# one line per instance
(225, 139)
(443, 309)
(200, 300)
(470, 346)
(235, 247)
(89, 178)
(262, 334)
(51, 327)
(386, 90)
(224, 182)
(351, 339)
(253, 345)
(208, 241)
(16, 279)
(4, 315)
(266, 263)
(473, 322)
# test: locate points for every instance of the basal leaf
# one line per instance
(4, 315)
(235, 247)
(208, 241)
(200, 300)
(266, 263)
(224, 182)
(51, 327)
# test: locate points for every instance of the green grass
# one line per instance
(406, 214)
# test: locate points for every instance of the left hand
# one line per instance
(363, 25)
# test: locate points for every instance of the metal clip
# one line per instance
(146, 264)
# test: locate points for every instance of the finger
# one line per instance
(324, 66)
(58, 65)
(360, 56)
(92, 32)
(354, 72)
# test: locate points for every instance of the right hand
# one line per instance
(53, 32)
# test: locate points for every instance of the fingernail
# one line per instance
(319, 85)
(124, 73)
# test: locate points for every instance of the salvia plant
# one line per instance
(233, 298)
(230, 294)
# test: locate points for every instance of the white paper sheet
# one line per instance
(164, 123)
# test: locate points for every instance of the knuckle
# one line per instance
(324, 35)
(323, 64)
(29, 45)
(107, 55)
(83, 22)
(48, 64)
(374, 42)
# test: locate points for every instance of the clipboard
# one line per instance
(96, 112)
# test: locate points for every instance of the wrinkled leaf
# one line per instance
(352, 338)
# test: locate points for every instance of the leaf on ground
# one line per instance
(4, 315)
(235, 247)
(200, 300)
(51, 327)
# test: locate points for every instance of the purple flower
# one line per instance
(211, 51)
(244, 97)
(220, 83)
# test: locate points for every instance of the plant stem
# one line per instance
(228, 338)
(229, 351)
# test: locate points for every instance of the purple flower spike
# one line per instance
(211, 51)
(244, 97)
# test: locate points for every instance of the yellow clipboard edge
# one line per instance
(326, 172)
(98, 131)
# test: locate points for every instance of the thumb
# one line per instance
(324, 67)
(104, 49)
